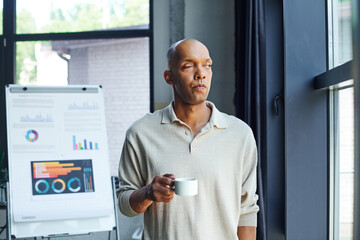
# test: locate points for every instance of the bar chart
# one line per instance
(84, 144)
(41, 118)
(53, 169)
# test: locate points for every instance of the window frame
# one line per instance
(332, 80)
(356, 70)
(334, 160)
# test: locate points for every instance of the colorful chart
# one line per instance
(42, 186)
(32, 136)
(84, 145)
(58, 177)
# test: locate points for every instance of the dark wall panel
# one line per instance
(305, 120)
(275, 165)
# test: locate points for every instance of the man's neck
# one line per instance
(195, 116)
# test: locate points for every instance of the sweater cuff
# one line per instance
(124, 204)
(249, 219)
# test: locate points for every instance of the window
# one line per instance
(341, 124)
(342, 167)
(97, 42)
(121, 66)
(339, 32)
(80, 15)
(1, 17)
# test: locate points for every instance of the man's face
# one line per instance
(191, 73)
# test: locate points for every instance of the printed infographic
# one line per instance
(62, 177)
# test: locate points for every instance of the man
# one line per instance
(190, 138)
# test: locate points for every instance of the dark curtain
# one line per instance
(250, 84)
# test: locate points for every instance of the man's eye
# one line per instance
(187, 66)
(208, 65)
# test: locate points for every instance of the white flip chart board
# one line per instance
(59, 172)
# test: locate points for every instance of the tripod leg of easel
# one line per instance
(8, 212)
(117, 231)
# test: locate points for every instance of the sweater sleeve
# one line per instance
(129, 178)
(249, 207)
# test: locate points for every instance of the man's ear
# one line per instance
(168, 77)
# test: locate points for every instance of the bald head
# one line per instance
(173, 52)
(189, 72)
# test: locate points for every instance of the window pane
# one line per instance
(1, 17)
(49, 16)
(38, 64)
(121, 66)
(341, 35)
(342, 121)
(346, 163)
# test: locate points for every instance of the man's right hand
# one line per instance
(159, 190)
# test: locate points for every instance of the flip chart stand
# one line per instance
(116, 211)
(8, 212)
(43, 124)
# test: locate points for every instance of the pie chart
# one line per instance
(32, 136)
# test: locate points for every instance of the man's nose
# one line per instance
(199, 74)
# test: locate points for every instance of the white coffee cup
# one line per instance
(186, 186)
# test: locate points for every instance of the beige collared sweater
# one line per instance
(222, 156)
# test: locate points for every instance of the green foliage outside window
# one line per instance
(1, 20)
(25, 51)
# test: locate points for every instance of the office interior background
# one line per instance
(307, 97)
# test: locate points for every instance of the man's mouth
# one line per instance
(199, 87)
